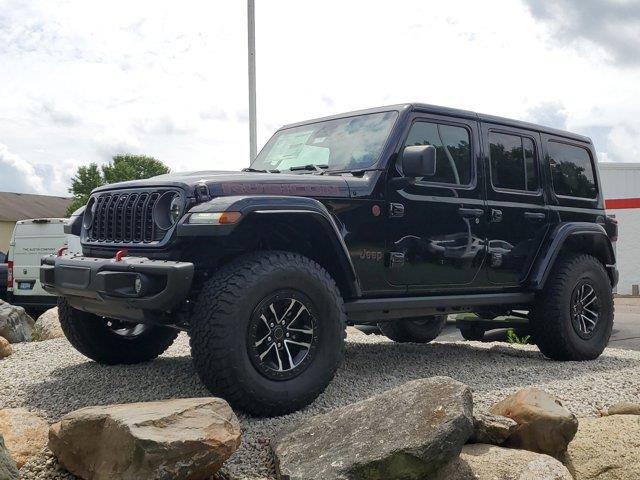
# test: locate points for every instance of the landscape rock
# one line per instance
(544, 425)
(491, 429)
(25, 433)
(171, 439)
(489, 462)
(8, 468)
(622, 408)
(47, 326)
(606, 448)
(408, 432)
(15, 325)
(5, 348)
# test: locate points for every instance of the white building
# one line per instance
(621, 185)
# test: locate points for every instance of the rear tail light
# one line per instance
(10, 275)
(611, 227)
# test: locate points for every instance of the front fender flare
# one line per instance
(249, 206)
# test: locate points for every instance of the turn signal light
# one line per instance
(214, 218)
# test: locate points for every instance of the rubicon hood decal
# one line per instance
(296, 189)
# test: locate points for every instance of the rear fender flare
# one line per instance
(594, 240)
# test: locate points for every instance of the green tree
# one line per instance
(85, 180)
(120, 169)
(132, 167)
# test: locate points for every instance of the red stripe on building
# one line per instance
(619, 203)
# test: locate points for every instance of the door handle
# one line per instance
(535, 216)
(470, 212)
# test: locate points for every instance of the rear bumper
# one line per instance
(134, 288)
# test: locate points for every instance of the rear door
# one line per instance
(33, 240)
(517, 211)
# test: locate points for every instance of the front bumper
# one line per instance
(134, 288)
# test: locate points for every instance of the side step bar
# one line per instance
(381, 309)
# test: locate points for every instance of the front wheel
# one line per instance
(267, 332)
(417, 330)
(110, 341)
(572, 318)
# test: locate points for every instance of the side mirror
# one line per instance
(419, 161)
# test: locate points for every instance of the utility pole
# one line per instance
(251, 26)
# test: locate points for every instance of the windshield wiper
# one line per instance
(249, 169)
(311, 166)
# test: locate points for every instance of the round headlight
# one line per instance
(89, 213)
(175, 209)
(168, 210)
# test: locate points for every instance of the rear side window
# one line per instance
(513, 164)
(571, 171)
(453, 152)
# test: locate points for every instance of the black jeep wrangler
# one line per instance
(395, 216)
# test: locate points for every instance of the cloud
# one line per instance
(58, 115)
(17, 174)
(609, 24)
(549, 114)
(165, 125)
(114, 142)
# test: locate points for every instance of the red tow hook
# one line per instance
(61, 251)
(120, 254)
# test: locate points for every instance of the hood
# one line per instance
(224, 183)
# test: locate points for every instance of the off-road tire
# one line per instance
(414, 330)
(219, 333)
(472, 334)
(550, 319)
(91, 336)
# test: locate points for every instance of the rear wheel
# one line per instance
(572, 318)
(417, 330)
(111, 341)
(472, 333)
(267, 332)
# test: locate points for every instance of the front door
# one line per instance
(437, 224)
(518, 217)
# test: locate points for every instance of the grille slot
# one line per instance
(125, 217)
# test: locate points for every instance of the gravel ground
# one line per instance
(51, 378)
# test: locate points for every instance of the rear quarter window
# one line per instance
(572, 173)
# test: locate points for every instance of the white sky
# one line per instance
(81, 81)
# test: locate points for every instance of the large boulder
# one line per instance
(5, 348)
(624, 408)
(47, 326)
(15, 325)
(172, 439)
(8, 469)
(492, 429)
(489, 462)
(606, 448)
(408, 432)
(25, 433)
(544, 425)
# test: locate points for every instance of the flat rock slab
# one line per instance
(606, 448)
(15, 325)
(408, 432)
(489, 462)
(544, 425)
(624, 408)
(25, 433)
(492, 429)
(8, 469)
(172, 439)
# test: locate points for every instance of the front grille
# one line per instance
(125, 217)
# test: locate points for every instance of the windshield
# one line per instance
(352, 143)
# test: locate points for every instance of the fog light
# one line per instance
(138, 285)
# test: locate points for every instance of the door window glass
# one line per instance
(453, 152)
(513, 164)
(571, 171)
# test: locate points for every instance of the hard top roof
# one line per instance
(454, 112)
